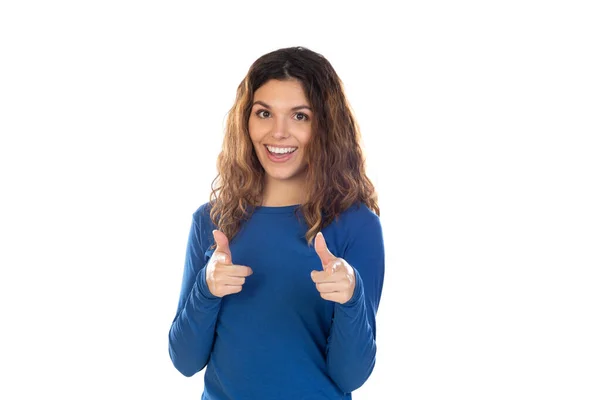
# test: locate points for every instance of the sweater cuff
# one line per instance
(357, 299)
(202, 286)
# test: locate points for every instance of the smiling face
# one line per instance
(280, 126)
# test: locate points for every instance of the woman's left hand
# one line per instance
(336, 282)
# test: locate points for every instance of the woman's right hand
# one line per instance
(222, 276)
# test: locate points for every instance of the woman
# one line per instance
(268, 314)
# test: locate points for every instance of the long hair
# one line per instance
(336, 177)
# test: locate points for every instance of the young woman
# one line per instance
(284, 265)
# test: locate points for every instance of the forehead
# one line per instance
(282, 93)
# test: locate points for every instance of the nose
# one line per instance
(279, 128)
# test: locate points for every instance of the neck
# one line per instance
(279, 193)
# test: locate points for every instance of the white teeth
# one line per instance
(280, 150)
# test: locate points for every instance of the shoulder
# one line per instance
(357, 217)
(352, 226)
(203, 222)
(202, 212)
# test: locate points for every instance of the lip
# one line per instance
(274, 159)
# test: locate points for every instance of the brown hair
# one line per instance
(334, 147)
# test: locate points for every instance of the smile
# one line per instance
(280, 154)
(280, 150)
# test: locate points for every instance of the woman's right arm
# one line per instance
(192, 332)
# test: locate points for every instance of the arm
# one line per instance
(192, 331)
(351, 346)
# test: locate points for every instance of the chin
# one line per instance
(284, 175)
(281, 177)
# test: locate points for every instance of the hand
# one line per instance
(223, 277)
(336, 282)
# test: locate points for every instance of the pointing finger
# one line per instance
(238, 270)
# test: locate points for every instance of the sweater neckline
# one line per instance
(276, 209)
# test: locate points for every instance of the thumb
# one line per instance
(222, 246)
(322, 250)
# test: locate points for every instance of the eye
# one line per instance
(301, 117)
(262, 114)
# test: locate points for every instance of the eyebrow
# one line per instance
(269, 107)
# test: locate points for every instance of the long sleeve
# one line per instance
(351, 346)
(192, 331)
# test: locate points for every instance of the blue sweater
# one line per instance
(277, 338)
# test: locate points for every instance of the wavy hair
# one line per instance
(334, 147)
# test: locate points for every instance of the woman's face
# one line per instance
(280, 127)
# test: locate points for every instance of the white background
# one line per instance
(481, 127)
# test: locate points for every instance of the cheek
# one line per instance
(257, 150)
(305, 138)
(257, 131)
(252, 131)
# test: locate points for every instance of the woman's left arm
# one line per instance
(351, 346)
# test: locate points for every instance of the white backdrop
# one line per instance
(480, 125)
